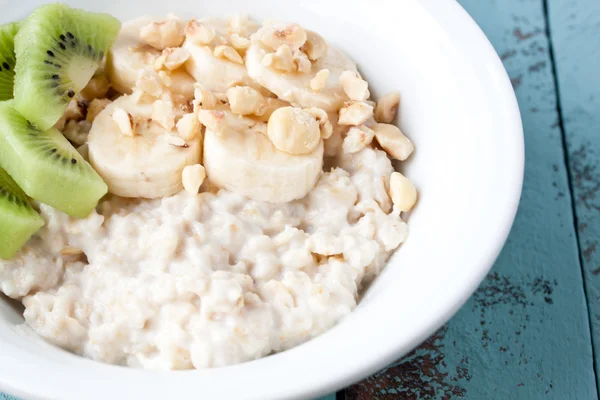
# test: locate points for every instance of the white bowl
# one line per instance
(459, 109)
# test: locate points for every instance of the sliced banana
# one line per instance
(246, 162)
(129, 56)
(147, 163)
(296, 87)
(216, 74)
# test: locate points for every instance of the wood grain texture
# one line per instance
(525, 333)
(575, 35)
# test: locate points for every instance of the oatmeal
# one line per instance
(252, 198)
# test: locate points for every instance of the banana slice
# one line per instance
(145, 162)
(246, 162)
(216, 74)
(295, 87)
(129, 56)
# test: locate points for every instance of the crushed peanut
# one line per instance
(242, 25)
(277, 35)
(171, 59)
(387, 108)
(213, 120)
(315, 46)
(192, 178)
(161, 35)
(229, 53)
(355, 87)
(149, 82)
(245, 100)
(203, 99)
(163, 112)
(188, 127)
(402, 192)
(282, 59)
(199, 33)
(238, 42)
(165, 78)
(294, 131)
(393, 141)
(124, 121)
(272, 104)
(355, 113)
(95, 108)
(302, 62)
(358, 138)
(96, 88)
(323, 120)
(177, 141)
(320, 80)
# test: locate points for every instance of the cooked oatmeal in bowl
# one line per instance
(252, 196)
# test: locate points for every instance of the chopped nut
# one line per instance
(282, 59)
(393, 141)
(96, 88)
(274, 36)
(213, 120)
(294, 131)
(95, 108)
(124, 121)
(172, 58)
(149, 82)
(228, 53)
(320, 80)
(272, 104)
(355, 87)
(177, 141)
(245, 100)
(199, 33)
(165, 78)
(323, 120)
(163, 112)
(387, 108)
(238, 42)
(242, 25)
(357, 139)
(192, 178)
(161, 35)
(302, 62)
(203, 98)
(188, 127)
(355, 113)
(315, 46)
(402, 192)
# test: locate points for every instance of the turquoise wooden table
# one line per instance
(530, 330)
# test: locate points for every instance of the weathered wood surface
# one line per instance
(525, 333)
(575, 33)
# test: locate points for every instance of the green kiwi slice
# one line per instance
(58, 49)
(7, 59)
(46, 166)
(18, 220)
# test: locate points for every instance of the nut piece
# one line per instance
(272, 104)
(163, 112)
(242, 25)
(124, 121)
(229, 53)
(238, 42)
(315, 46)
(149, 82)
(192, 178)
(355, 113)
(171, 59)
(302, 62)
(161, 35)
(213, 120)
(355, 87)
(402, 192)
(95, 108)
(387, 108)
(294, 131)
(323, 120)
(320, 80)
(282, 59)
(245, 100)
(357, 139)
(393, 141)
(96, 88)
(199, 33)
(274, 36)
(188, 127)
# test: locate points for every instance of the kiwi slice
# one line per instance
(7, 59)
(18, 220)
(46, 166)
(58, 50)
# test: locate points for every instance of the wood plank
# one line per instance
(575, 35)
(525, 333)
